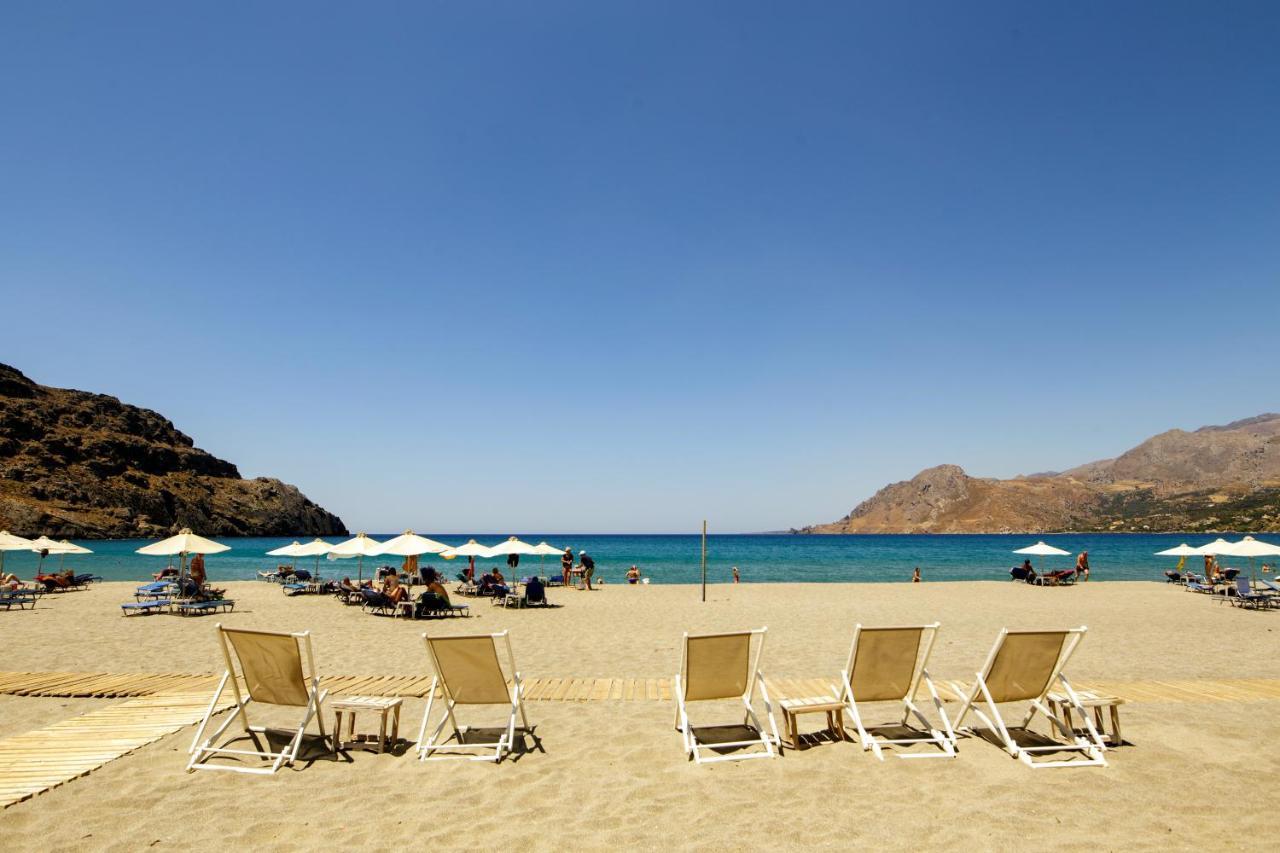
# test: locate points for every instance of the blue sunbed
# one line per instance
(143, 608)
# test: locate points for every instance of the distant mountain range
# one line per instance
(1216, 478)
(81, 465)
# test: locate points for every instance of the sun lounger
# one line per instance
(201, 608)
(1024, 666)
(1196, 586)
(1246, 597)
(887, 665)
(468, 672)
(271, 665)
(144, 608)
(159, 589)
(19, 598)
(430, 604)
(720, 666)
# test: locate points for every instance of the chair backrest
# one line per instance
(719, 666)
(469, 670)
(1023, 663)
(271, 663)
(1242, 586)
(886, 663)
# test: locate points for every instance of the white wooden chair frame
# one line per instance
(770, 742)
(1092, 746)
(944, 738)
(202, 748)
(427, 744)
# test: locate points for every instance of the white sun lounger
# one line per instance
(468, 672)
(1024, 666)
(271, 666)
(887, 665)
(720, 666)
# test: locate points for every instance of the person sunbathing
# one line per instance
(11, 581)
(392, 589)
(433, 580)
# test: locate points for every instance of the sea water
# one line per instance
(676, 558)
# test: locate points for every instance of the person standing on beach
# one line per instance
(1082, 565)
(588, 567)
(566, 566)
(915, 575)
(196, 571)
(736, 577)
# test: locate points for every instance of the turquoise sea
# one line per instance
(675, 558)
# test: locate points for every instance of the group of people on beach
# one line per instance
(1028, 573)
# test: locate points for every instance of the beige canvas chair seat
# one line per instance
(1024, 666)
(887, 665)
(271, 666)
(719, 667)
(468, 672)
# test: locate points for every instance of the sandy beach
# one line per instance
(605, 774)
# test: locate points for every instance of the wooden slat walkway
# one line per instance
(568, 689)
(37, 761)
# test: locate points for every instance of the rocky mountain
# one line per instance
(81, 465)
(1215, 478)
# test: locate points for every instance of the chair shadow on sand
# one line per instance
(709, 736)
(526, 740)
(1026, 738)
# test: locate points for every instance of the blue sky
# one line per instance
(624, 266)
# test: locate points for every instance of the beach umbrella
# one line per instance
(511, 545)
(65, 548)
(184, 543)
(315, 548)
(411, 546)
(1250, 547)
(290, 550)
(471, 550)
(9, 542)
(543, 550)
(1043, 550)
(359, 546)
(42, 546)
(1182, 551)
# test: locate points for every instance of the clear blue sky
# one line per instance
(623, 266)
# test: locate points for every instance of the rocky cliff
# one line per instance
(1216, 478)
(81, 465)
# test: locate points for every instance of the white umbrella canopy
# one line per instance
(64, 548)
(1216, 547)
(471, 549)
(1250, 547)
(1043, 550)
(9, 542)
(359, 546)
(290, 550)
(44, 545)
(1183, 550)
(185, 542)
(410, 544)
(512, 545)
(315, 548)
(542, 549)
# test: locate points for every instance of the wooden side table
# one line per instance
(345, 710)
(1097, 702)
(792, 708)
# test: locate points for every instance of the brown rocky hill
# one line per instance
(1216, 478)
(81, 465)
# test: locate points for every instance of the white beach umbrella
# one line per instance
(1043, 550)
(471, 550)
(315, 548)
(1250, 547)
(512, 545)
(42, 546)
(184, 543)
(9, 542)
(65, 548)
(410, 544)
(1183, 550)
(359, 546)
(290, 550)
(543, 550)
(1216, 547)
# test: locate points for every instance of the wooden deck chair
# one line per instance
(468, 672)
(887, 665)
(720, 666)
(1022, 667)
(272, 669)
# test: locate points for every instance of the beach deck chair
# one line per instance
(468, 672)
(144, 608)
(887, 665)
(719, 667)
(19, 598)
(203, 608)
(1024, 666)
(1245, 596)
(271, 666)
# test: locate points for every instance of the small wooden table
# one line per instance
(350, 705)
(794, 707)
(1091, 699)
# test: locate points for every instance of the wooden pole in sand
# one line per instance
(704, 559)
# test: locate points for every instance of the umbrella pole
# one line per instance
(359, 569)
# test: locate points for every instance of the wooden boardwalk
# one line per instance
(34, 762)
(103, 685)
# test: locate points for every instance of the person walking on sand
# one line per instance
(737, 578)
(588, 567)
(1082, 565)
(915, 575)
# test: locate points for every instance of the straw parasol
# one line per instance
(359, 546)
(9, 542)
